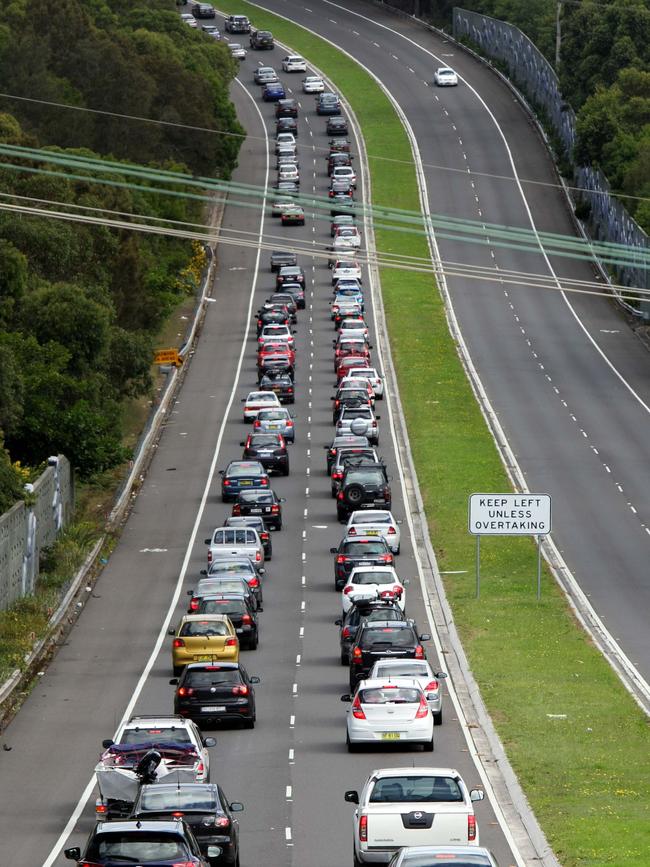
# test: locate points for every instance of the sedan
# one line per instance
(445, 77)
(382, 581)
(328, 104)
(293, 216)
(281, 384)
(204, 808)
(279, 421)
(211, 30)
(266, 504)
(269, 449)
(258, 400)
(240, 611)
(313, 84)
(346, 173)
(288, 172)
(346, 269)
(294, 63)
(265, 75)
(282, 204)
(356, 552)
(273, 91)
(201, 637)
(450, 856)
(213, 693)
(238, 51)
(384, 713)
(286, 108)
(418, 670)
(347, 236)
(290, 274)
(337, 125)
(373, 377)
(241, 475)
(376, 522)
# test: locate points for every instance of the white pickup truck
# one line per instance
(236, 542)
(411, 807)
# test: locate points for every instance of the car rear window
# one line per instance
(226, 567)
(256, 497)
(159, 799)
(273, 415)
(231, 607)
(390, 695)
(138, 846)
(264, 440)
(234, 537)
(239, 470)
(214, 677)
(414, 787)
(364, 476)
(156, 734)
(401, 671)
(364, 549)
(368, 577)
(391, 635)
(196, 628)
(450, 860)
(370, 518)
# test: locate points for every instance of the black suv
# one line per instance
(279, 258)
(340, 442)
(269, 449)
(260, 39)
(383, 639)
(203, 10)
(155, 843)
(205, 809)
(216, 692)
(242, 614)
(363, 487)
(359, 551)
(281, 384)
(365, 611)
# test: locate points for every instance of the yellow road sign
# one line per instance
(167, 356)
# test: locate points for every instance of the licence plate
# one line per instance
(274, 427)
(212, 709)
(254, 511)
(205, 658)
(390, 736)
(372, 532)
(245, 482)
(238, 631)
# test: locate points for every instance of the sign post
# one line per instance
(509, 515)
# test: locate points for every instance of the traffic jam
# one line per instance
(157, 801)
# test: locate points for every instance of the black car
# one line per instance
(336, 126)
(342, 204)
(275, 364)
(328, 103)
(240, 610)
(380, 639)
(297, 292)
(287, 124)
(261, 39)
(207, 589)
(288, 188)
(356, 551)
(203, 10)
(266, 504)
(242, 475)
(337, 159)
(114, 844)
(269, 449)
(274, 315)
(287, 300)
(256, 524)
(279, 258)
(339, 146)
(363, 455)
(289, 274)
(343, 441)
(214, 692)
(363, 487)
(286, 108)
(281, 384)
(229, 566)
(364, 611)
(349, 397)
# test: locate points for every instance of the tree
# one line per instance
(13, 279)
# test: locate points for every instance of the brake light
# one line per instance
(258, 556)
(259, 323)
(247, 619)
(340, 495)
(264, 482)
(231, 642)
(241, 689)
(432, 686)
(209, 556)
(257, 423)
(352, 531)
(264, 537)
(341, 559)
(183, 864)
(386, 558)
(254, 582)
(275, 509)
(289, 423)
(471, 828)
(356, 654)
(177, 814)
(185, 690)
(236, 509)
(91, 864)
(357, 710)
(222, 822)
(397, 589)
(226, 483)
(346, 632)
(419, 652)
(194, 604)
(363, 829)
(101, 810)
(392, 531)
(348, 589)
(178, 642)
(423, 710)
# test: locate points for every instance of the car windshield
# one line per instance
(213, 676)
(389, 695)
(138, 847)
(372, 577)
(417, 788)
(197, 628)
(247, 469)
(401, 670)
(371, 518)
(160, 798)
(224, 606)
(261, 441)
(155, 735)
(364, 549)
(393, 635)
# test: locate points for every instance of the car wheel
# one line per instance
(344, 659)
(342, 516)
(352, 748)
(285, 471)
(396, 550)
(437, 718)
(427, 746)
(249, 724)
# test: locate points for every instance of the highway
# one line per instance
(292, 770)
(566, 377)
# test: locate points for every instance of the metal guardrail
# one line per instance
(606, 218)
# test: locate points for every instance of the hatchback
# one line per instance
(277, 420)
(216, 692)
(240, 611)
(269, 449)
(240, 476)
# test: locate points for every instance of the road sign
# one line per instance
(510, 514)
(167, 356)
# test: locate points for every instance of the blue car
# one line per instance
(273, 91)
(328, 103)
(242, 476)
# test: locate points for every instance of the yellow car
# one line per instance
(203, 638)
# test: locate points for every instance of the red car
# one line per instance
(349, 362)
(345, 348)
(275, 349)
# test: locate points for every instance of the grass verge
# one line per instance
(577, 741)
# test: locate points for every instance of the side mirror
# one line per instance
(243, 400)
(441, 675)
(377, 417)
(236, 807)
(476, 795)
(106, 743)
(191, 592)
(338, 622)
(352, 797)
(242, 443)
(173, 681)
(209, 742)
(262, 571)
(400, 521)
(207, 541)
(202, 572)
(254, 679)
(171, 632)
(425, 637)
(282, 499)
(294, 330)
(406, 582)
(333, 550)
(222, 472)
(73, 854)
(346, 697)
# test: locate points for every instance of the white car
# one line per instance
(385, 712)
(373, 580)
(346, 238)
(285, 142)
(445, 77)
(417, 670)
(355, 329)
(313, 84)
(357, 382)
(237, 50)
(294, 63)
(346, 269)
(289, 172)
(344, 173)
(373, 377)
(397, 808)
(375, 522)
(258, 400)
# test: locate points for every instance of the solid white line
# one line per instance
(162, 635)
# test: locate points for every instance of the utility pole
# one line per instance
(558, 34)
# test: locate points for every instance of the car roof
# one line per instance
(420, 771)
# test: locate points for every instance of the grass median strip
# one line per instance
(576, 739)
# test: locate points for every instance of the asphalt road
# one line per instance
(292, 770)
(564, 373)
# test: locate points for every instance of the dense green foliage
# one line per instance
(80, 305)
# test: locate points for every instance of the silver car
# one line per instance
(235, 542)
(418, 670)
(348, 416)
(264, 75)
(450, 856)
(278, 421)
